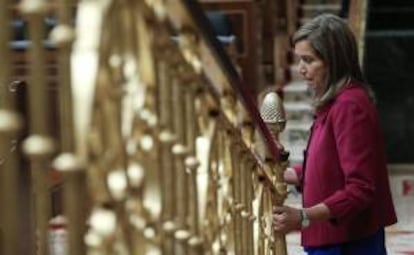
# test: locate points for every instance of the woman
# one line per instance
(346, 196)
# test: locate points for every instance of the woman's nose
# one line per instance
(301, 68)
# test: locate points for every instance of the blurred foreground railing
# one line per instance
(162, 149)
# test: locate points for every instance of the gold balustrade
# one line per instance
(161, 149)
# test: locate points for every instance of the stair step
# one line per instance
(300, 126)
(312, 10)
(298, 107)
(299, 112)
(321, 7)
(296, 87)
(296, 92)
(306, 2)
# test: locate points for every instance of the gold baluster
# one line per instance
(153, 146)
(192, 164)
(243, 160)
(246, 213)
(187, 42)
(39, 146)
(226, 192)
(266, 238)
(74, 174)
(10, 125)
(145, 187)
(279, 198)
(237, 191)
(74, 207)
(209, 194)
(250, 217)
(63, 35)
(5, 65)
(180, 151)
(196, 241)
(273, 114)
(39, 149)
(138, 203)
(167, 138)
(168, 210)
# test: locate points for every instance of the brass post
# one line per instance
(5, 64)
(273, 114)
(249, 216)
(244, 213)
(180, 152)
(192, 163)
(10, 124)
(74, 175)
(39, 149)
(279, 197)
(38, 86)
(74, 200)
(63, 35)
(39, 146)
(227, 192)
(145, 184)
(266, 220)
(237, 190)
(166, 163)
(209, 194)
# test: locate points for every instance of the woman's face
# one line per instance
(311, 67)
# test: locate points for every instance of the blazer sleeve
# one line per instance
(354, 134)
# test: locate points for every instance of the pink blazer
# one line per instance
(345, 167)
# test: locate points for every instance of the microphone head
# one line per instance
(273, 112)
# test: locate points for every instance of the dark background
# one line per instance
(389, 68)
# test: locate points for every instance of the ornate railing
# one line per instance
(162, 149)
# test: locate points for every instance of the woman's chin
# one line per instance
(311, 86)
(310, 83)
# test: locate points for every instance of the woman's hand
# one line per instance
(290, 176)
(286, 219)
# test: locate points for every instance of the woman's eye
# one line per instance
(307, 60)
